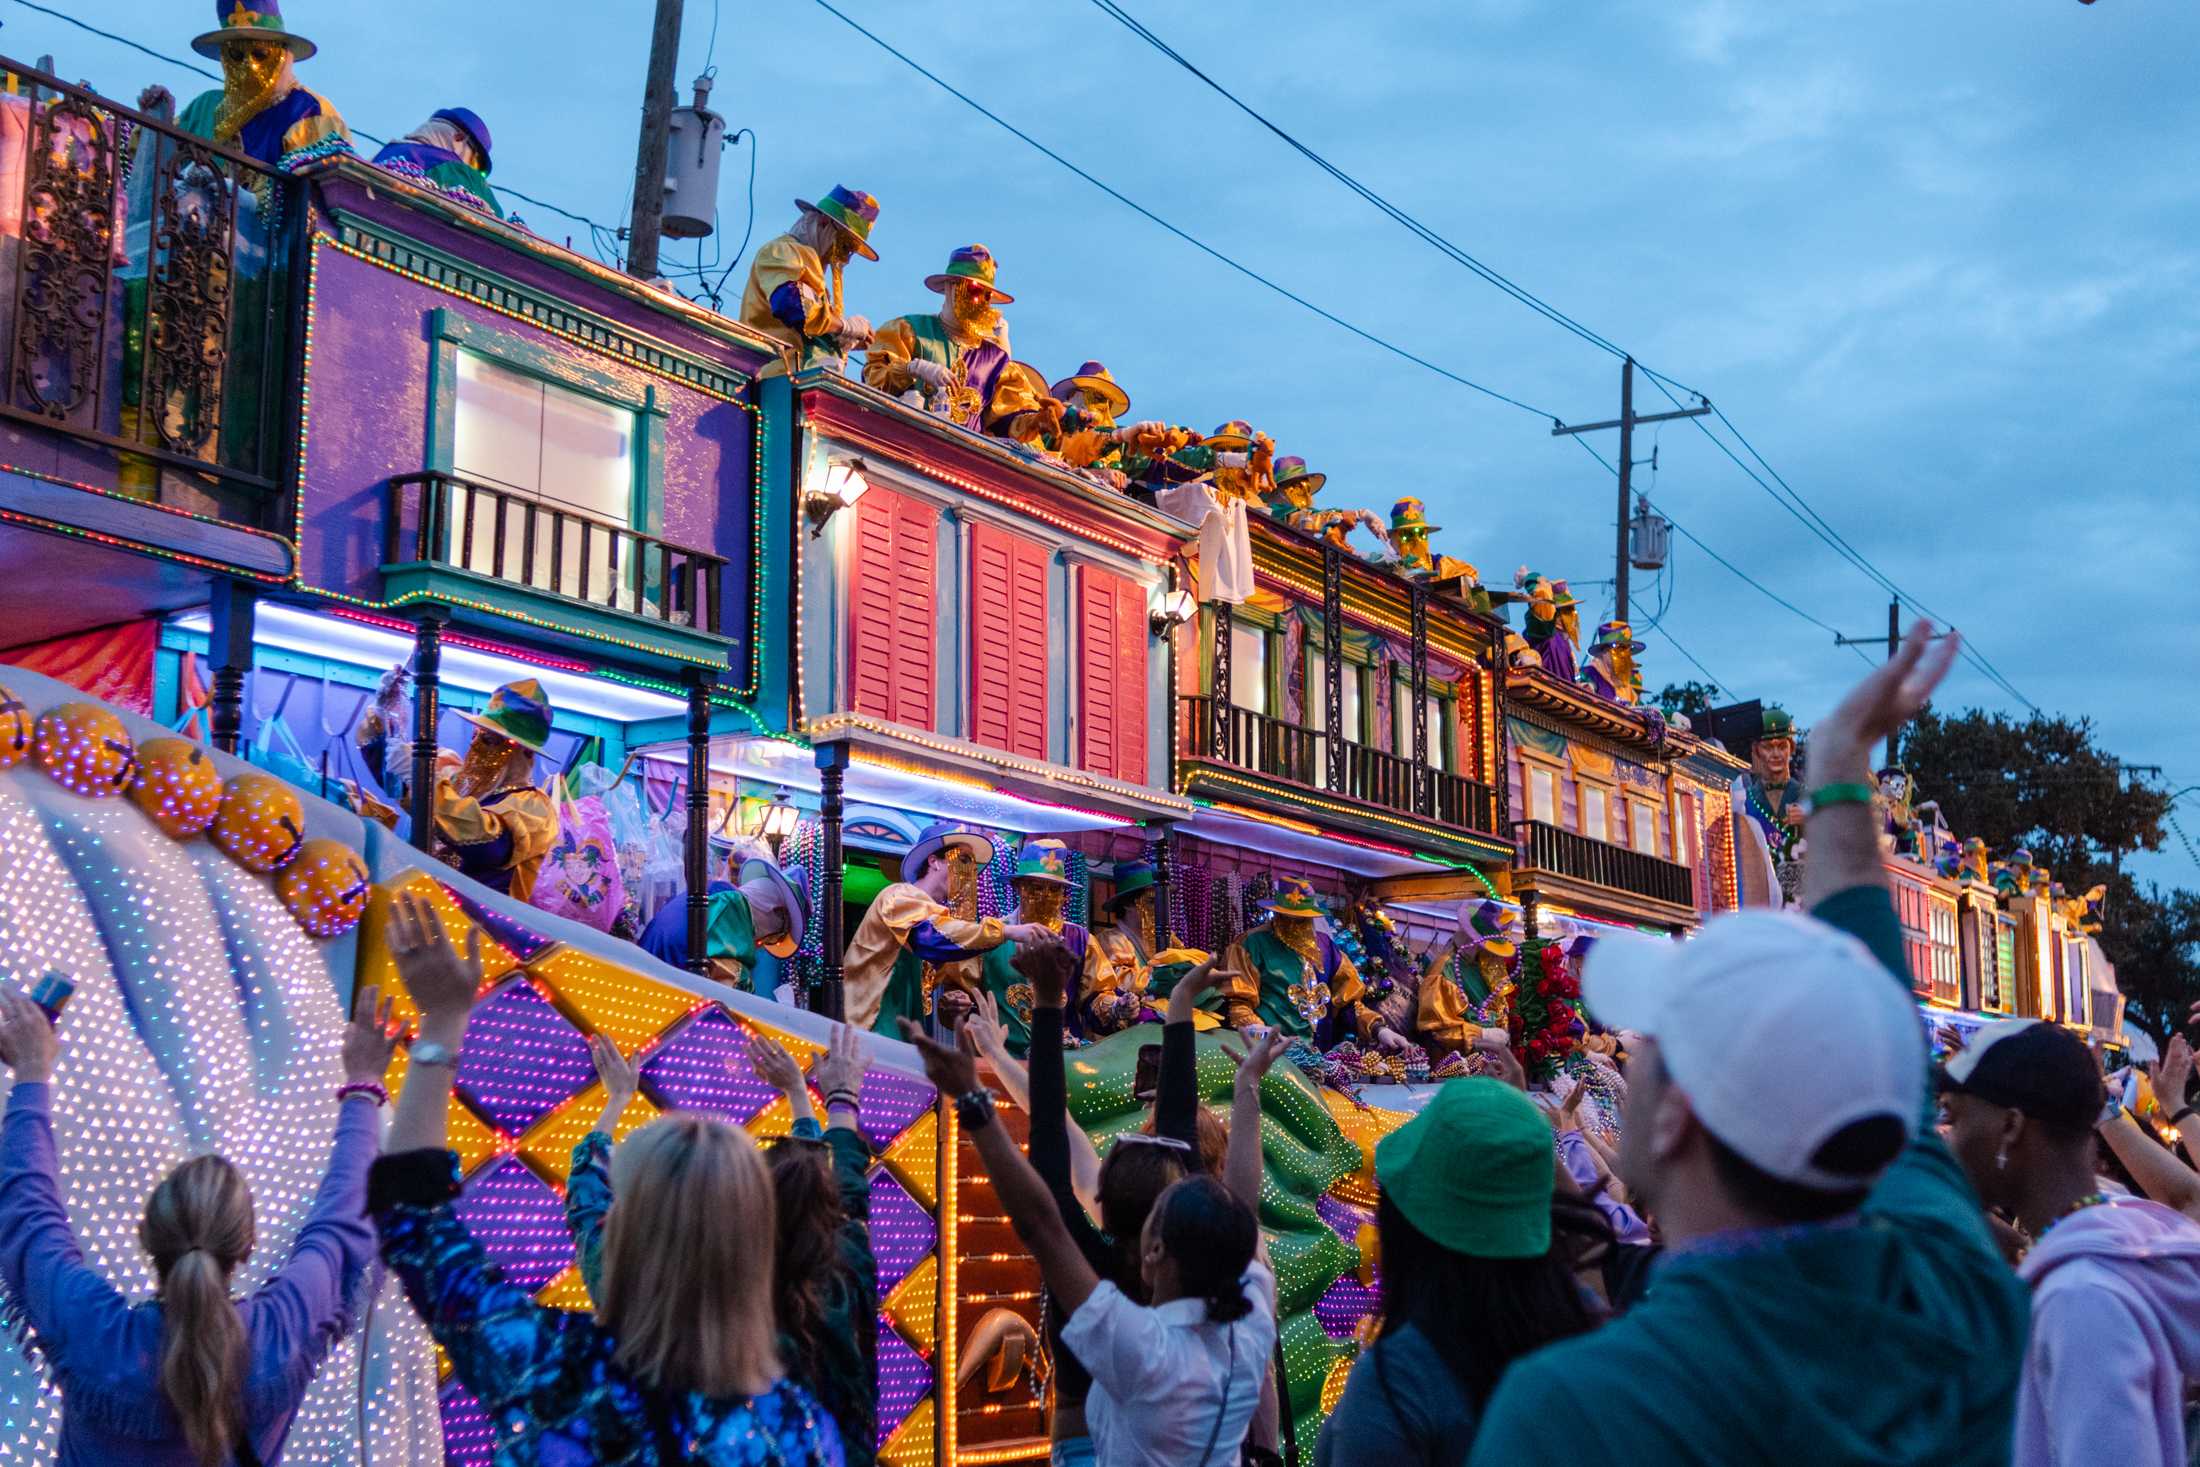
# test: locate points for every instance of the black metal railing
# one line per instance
(501, 533)
(1279, 749)
(1584, 858)
(146, 279)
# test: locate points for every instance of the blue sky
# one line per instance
(1939, 262)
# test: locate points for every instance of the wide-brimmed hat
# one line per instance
(250, 20)
(1132, 879)
(1233, 436)
(469, 122)
(939, 835)
(1489, 926)
(1292, 471)
(1093, 380)
(1407, 514)
(853, 210)
(794, 895)
(971, 262)
(1044, 860)
(1497, 1207)
(518, 711)
(1615, 634)
(1294, 898)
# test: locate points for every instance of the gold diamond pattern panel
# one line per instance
(913, 1306)
(914, 1159)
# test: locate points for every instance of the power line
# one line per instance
(1693, 661)
(1202, 246)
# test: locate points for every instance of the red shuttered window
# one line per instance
(1008, 642)
(1111, 705)
(893, 592)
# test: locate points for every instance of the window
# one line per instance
(1645, 837)
(548, 443)
(1354, 731)
(1542, 794)
(1401, 716)
(1248, 665)
(1595, 811)
(1439, 734)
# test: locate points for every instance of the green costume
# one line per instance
(1275, 987)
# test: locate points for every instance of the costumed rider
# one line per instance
(1287, 975)
(910, 941)
(260, 110)
(1554, 623)
(954, 362)
(383, 745)
(1090, 439)
(2015, 877)
(1452, 993)
(449, 152)
(758, 906)
(793, 293)
(1041, 884)
(1128, 943)
(1611, 672)
(1293, 503)
(1773, 799)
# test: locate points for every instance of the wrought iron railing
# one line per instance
(1584, 858)
(501, 533)
(1279, 749)
(146, 276)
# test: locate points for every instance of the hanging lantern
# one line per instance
(15, 729)
(325, 888)
(86, 749)
(1649, 537)
(777, 820)
(178, 786)
(261, 824)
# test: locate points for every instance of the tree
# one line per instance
(1691, 700)
(2044, 784)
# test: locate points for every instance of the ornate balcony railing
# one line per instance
(1260, 744)
(145, 297)
(441, 518)
(1584, 858)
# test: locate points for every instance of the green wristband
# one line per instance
(1825, 797)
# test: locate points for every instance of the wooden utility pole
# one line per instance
(1627, 421)
(645, 224)
(1894, 642)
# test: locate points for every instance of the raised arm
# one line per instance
(1176, 1093)
(1241, 1166)
(984, 1028)
(2159, 1174)
(1030, 1205)
(443, 982)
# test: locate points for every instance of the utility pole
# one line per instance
(1894, 642)
(645, 224)
(1627, 421)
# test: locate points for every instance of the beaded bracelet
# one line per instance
(369, 1088)
(849, 1098)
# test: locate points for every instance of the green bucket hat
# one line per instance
(519, 711)
(1473, 1171)
(1043, 860)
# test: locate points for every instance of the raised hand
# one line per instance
(774, 1066)
(1186, 995)
(1047, 966)
(1258, 1056)
(28, 1044)
(1890, 696)
(371, 1037)
(442, 980)
(1498, 1046)
(839, 1070)
(984, 1028)
(619, 1079)
(952, 1072)
(2173, 1078)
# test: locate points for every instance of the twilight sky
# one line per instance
(1937, 261)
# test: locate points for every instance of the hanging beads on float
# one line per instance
(177, 786)
(325, 888)
(86, 750)
(261, 823)
(15, 729)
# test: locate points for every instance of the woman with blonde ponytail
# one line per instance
(191, 1378)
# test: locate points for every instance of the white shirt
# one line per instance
(1161, 1374)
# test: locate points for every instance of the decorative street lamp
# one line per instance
(777, 820)
(844, 485)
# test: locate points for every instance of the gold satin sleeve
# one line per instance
(1440, 1012)
(785, 261)
(329, 123)
(1102, 976)
(980, 936)
(1240, 992)
(527, 817)
(886, 364)
(1016, 410)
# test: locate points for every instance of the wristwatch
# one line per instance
(975, 1109)
(428, 1052)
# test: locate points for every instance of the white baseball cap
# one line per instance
(1780, 1029)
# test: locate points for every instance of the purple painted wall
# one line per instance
(372, 335)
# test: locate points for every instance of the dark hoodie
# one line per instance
(1894, 1336)
(2115, 1336)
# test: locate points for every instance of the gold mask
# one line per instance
(255, 76)
(1041, 902)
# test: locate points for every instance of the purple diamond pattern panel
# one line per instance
(1344, 1218)
(689, 1071)
(903, 1377)
(1347, 1303)
(902, 1232)
(469, 1440)
(519, 1222)
(891, 1101)
(521, 1060)
(524, 943)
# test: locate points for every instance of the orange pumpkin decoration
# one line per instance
(177, 786)
(261, 823)
(15, 729)
(86, 749)
(325, 888)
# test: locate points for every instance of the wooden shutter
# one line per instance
(1111, 707)
(1008, 642)
(893, 600)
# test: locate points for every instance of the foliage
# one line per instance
(1690, 699)
(1547, 1005)
(2045, 784)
